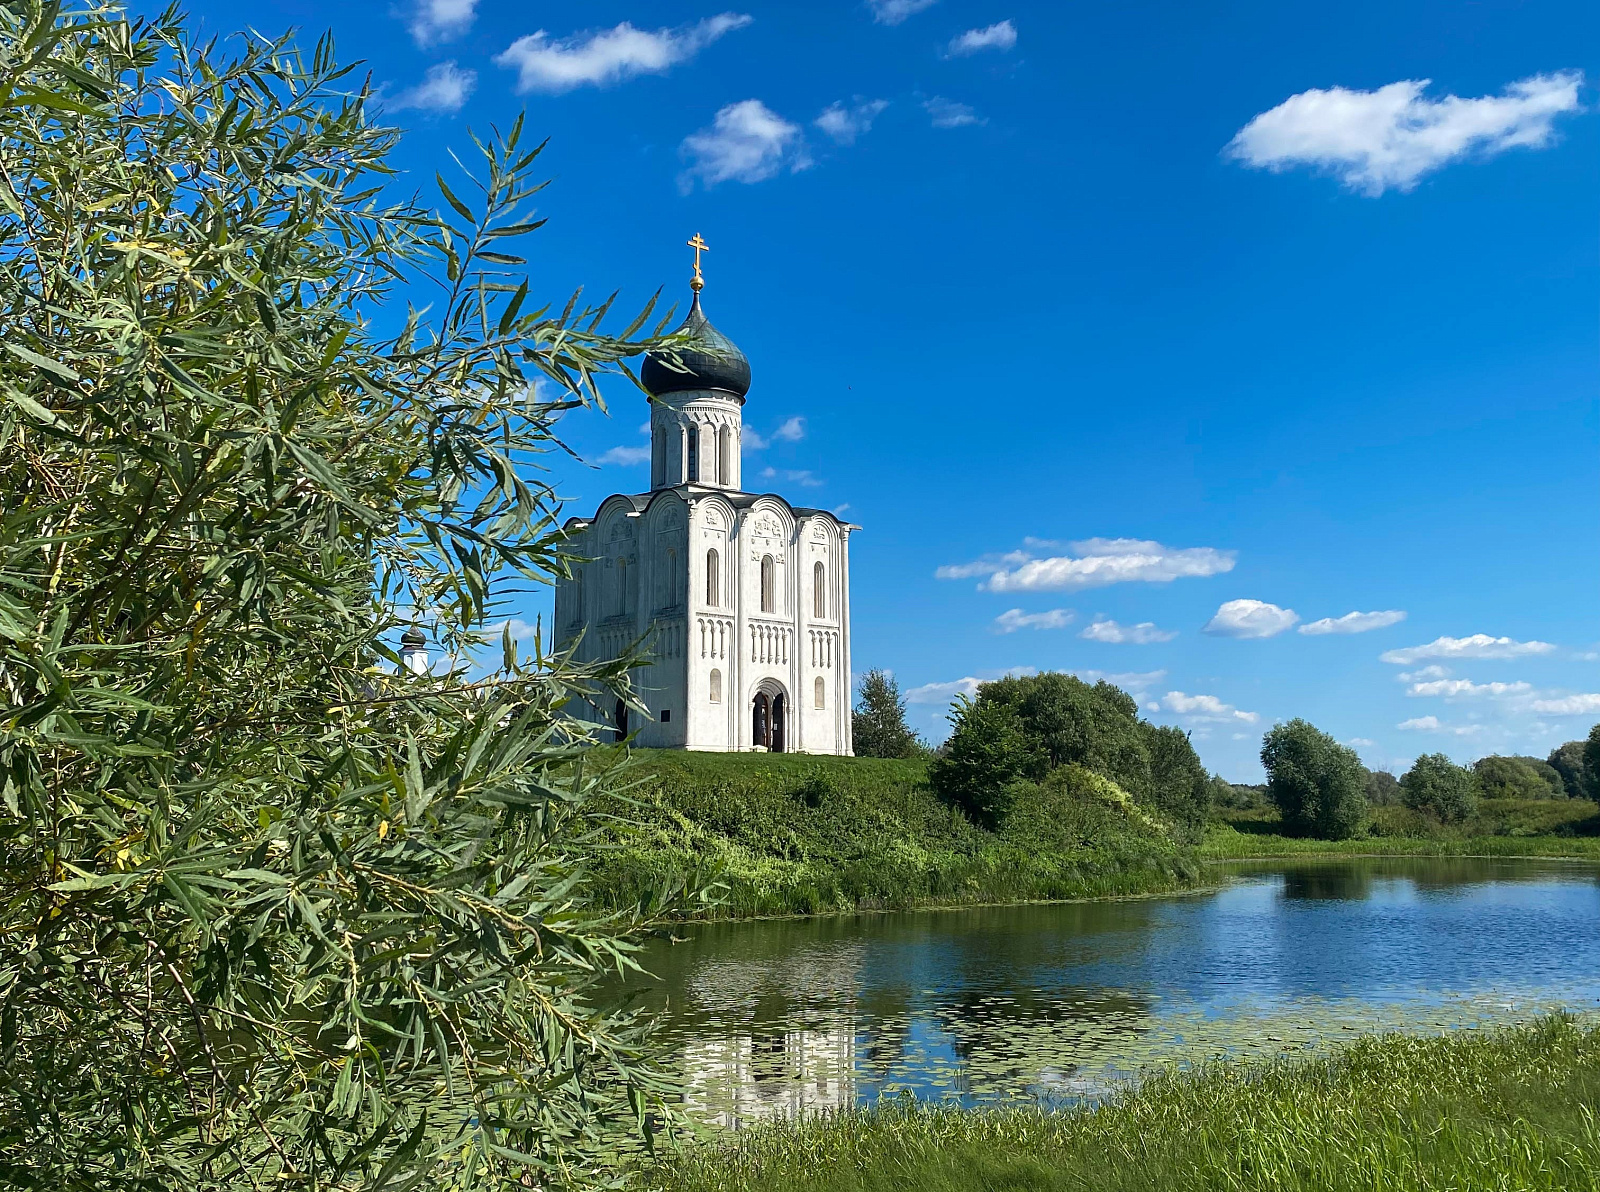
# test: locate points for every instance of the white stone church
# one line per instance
(741, 600)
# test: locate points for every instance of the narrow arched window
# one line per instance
(769, 585)
(819, 590)
(713, 579)
(725, 456)
(820, 690)
(716, 686)
(619, 598)
(672, 577)
(694, 453)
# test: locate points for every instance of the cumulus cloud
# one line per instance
(1466, 688)
(892, 12)
(1093, 563)
(1001, 36)
(947, 113)
(554, 65)
(1014, 619)
(791, 430)
(626, 457)
(807, 478)
(1374, 140)
(1136, 682)
(1432, 724)
(1204, 708)
(444, 88)
(1250, 619)
(1354, 622)
(434, 21)
(1478, 645)
(943, 693)
(844, 123)
(747, 142)
(1587, 704)
(1427, 672)
(1104, 629)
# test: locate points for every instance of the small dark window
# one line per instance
(666, 715)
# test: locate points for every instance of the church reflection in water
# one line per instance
(734, 1080)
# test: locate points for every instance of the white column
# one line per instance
(846, 741)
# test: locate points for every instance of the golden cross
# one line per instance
(699, 246)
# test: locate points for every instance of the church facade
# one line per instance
(740, 600)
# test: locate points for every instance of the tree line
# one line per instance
(1017, 732)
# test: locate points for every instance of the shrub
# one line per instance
(1437, 786)
(878, 725)
(1517, 778)
(1317, 784)
(987, 752)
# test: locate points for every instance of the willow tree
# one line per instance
(273, 912)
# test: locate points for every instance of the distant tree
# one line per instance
(879, 725)
(1072, 722)
(1317, 784)
(1591, 763)
(1180, 788)
(1383, 788)
(1437, 786)
(1567, 761)
(988, 751)
(1235, 795)
(1517, 778)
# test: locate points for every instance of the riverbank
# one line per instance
(1499, 828)
(1507, 1109)
(790, 834)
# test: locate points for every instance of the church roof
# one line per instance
(718, 365)
(739, 500)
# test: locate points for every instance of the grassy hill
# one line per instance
(798, 834)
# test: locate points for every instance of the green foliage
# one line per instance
(1591, 763)
(878, 725)
(272, 915)
(1317, 784)
(1567, 761)
(1508, 1109)
(1517, 778)
(988, 750)
(1437, 786)
(791, 834)
(1383, 788)
(1025, 728)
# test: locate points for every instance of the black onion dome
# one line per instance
(720, 366)
(412, 639)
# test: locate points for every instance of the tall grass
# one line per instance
(793, 834)
(1514, 1109)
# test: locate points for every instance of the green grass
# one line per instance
(1509, 1110)
(1499, 828)
(796, 834)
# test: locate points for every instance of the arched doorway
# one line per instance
(621, 721)
(769, 717)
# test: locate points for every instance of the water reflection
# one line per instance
(777, 1018)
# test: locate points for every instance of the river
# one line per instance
(1064, 1001)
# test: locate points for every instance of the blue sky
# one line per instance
(1146, 340)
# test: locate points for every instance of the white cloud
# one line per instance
(747, 142)
(520, 630)
(1587, 704)
(942, 693)
(1427, 672)
(1014, 619)
(444, 88)
(433, 21)
(1460, 688)
(1479, 645)
(1391, 137)
(1096, 562)
(1432, 724)
(1136, 682)
(947, 113)
(844, 124)
(791, 431)
(1001, 36)
(626, 457)
(1250, 619)
(609, 55)
(892, 12)
(1355, 622)
(1145, 632)
(806, 478)
(1361, 742)
(1204, 708)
